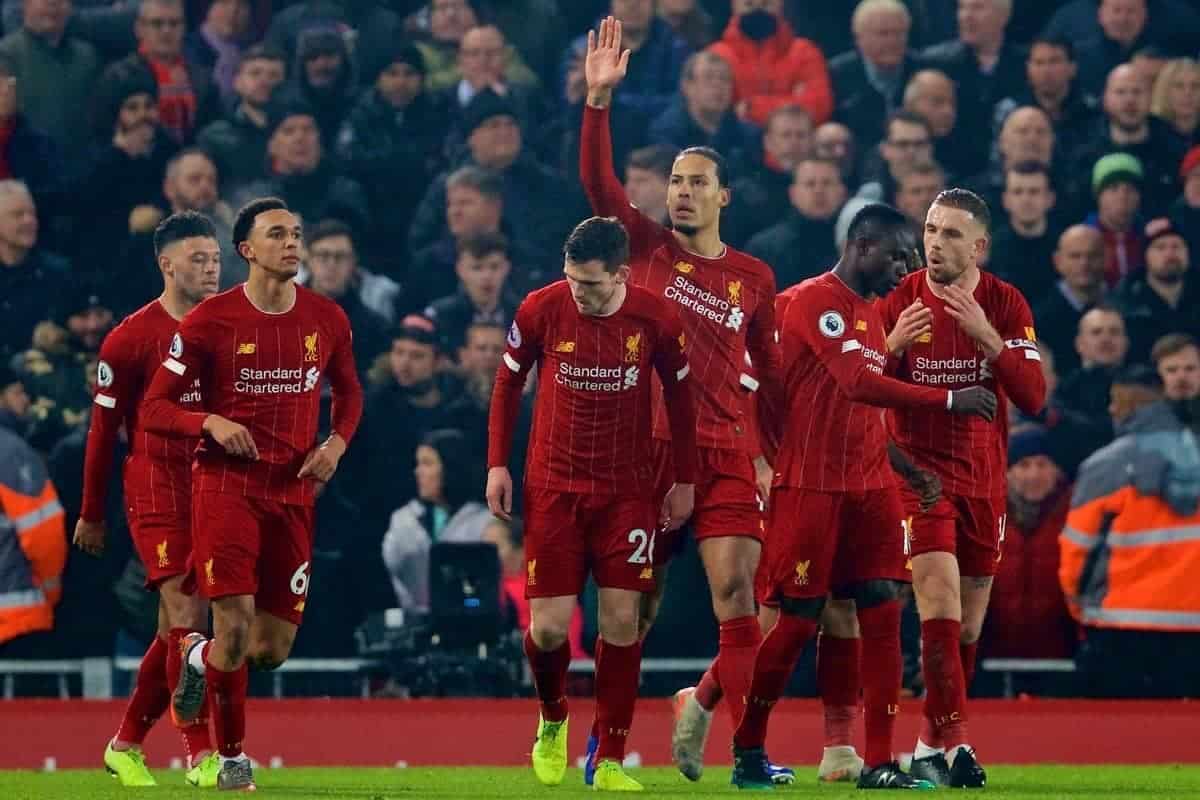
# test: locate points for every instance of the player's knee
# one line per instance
(733, 590)
(265, 660)
(548, 634)
(971, 631)
(235, 639)
(875, 593)
(937, 589)
(806, 607)
(620, 625)
(839, 619)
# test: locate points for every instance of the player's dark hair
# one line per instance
(1060, 42)
(485, 181)
(872, 220)
(598, 239)
(1030, 168)
(716, 158)
(481, 245)
(966, 200)
(462, 472)
(246, 215)
(1171, 344)
(327, 229)
(179, 226)
(656, 158)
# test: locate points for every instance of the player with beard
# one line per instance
(836, 519)
(259, 351)
(726, 302)
(982, 335)
(157, 481)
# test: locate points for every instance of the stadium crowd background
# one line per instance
(432, 151)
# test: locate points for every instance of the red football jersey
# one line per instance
(263, 371)
(968, 453)
(158, 469)
(829, 421)
(592, 413)
(726, 304)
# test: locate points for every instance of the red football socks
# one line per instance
(838, 680)
(967, 653)
(738, 642)
(150, 696)
(617, 670)
(708, 690)
(550, 677)
(882, 668)
(773, 666)
(945, 695)
(227, 702)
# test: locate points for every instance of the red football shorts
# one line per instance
(820, 541)
(971, 528)
(567, 534)
(727, 502)
(244, 545)
(163, 541)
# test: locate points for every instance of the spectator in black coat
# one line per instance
(238, 141)
(27, 153)
(802, 245)
(393, 137)
(1052, 84)
(300, 172)
(868, 82)
(1079, 261)
(702, 113)
(31, 279)
(484, 293)
(760, 196)
(322, 77)
(1022, 248)
(1162, 299)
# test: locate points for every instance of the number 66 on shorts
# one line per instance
(568, 535)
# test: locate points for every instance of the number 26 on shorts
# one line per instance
(643, 543)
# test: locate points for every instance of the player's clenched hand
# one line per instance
(89, 537)
(963, 307)
(764, 476)
(974, 400)
(927, 486)
(322, 461)
(236, 440)
(914, 322)
(606, 62)
(677, 506)
(499, 492)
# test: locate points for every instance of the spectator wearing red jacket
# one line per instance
(1027, 615)
(772, 66)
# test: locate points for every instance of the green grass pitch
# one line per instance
(472, 783)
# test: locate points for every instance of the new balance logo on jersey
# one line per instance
(684, 267)
(246, 349)
(564, 347)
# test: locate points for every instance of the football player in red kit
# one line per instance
(260, 351)
(726, 303)
(157, 482)
(980, 333)
(836, 520)
(589, 503)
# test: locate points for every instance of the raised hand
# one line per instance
(606, 62)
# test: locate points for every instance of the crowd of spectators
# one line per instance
(431, 149)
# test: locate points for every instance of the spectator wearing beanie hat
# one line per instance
(393, 137)
(1027, 616)
(1117, 188)
(299, 172)
(1185, 212)
(121, 190)
(322, 76)
(496, 141)
(1162, 299)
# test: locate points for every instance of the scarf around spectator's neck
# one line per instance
(176, 97)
